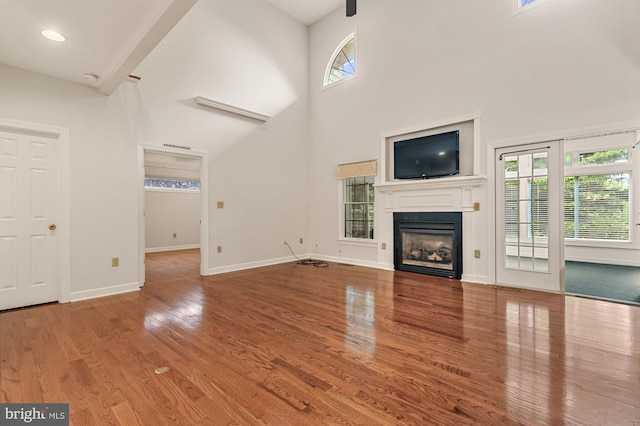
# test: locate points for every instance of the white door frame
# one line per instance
(63, 230)
(555, 282)
(204, 205)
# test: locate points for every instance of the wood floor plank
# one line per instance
(299, 345)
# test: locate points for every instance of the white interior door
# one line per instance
(529, 212)
(28, 208)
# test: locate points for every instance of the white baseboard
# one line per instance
(103, 291)
(476, 279)
(357, 262)
(269, 262)
(171, 248)
(251, 265)
(618, 262)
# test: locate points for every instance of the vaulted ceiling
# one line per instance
(105, 39)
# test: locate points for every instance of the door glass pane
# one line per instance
(526, 197)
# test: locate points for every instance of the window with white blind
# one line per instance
(596, 195)
(596, 207)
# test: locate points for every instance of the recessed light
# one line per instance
(53, 35)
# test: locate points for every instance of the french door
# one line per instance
(28, 220)
(529, 216)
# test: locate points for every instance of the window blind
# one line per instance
(362, 168)
(596, 207)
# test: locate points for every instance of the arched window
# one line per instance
(343, 61)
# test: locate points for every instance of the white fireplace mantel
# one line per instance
(463, 194)
(456, 182)
(466, 192)
(444, 194)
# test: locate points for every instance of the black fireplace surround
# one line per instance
(428, 243)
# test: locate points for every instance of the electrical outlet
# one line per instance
(383, 246)
(175, 235)
(476, 207)
(476, 254)
(301, 240)
(115, 261)
(219, 249)
(284, 242)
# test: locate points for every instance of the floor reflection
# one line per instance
(360, 312)
(185, 313)
(527, 358)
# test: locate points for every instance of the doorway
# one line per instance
(174, 161)
(601, 207)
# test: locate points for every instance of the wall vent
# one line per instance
(168, 145)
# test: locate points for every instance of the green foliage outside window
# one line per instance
(604, 157)
(597, 206)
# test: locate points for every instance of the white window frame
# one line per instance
(343, 203)
(602, 169)
(363, 242)
(334, 55)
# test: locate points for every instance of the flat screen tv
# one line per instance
(427, 156)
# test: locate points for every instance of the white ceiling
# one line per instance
(107, 38)
(308, 11)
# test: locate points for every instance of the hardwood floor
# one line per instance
(172, 265)
(295, 344)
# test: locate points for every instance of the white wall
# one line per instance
(561, 68)
(103, 170)
(248, 54)
(168, 213)
(248, 48)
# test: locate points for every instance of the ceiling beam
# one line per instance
(169, 18)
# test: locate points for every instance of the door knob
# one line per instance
(52, 226)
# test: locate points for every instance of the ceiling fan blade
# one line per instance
(351, 7)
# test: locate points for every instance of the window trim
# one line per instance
(332, 58)
(173, 190)
(367, 203)
(363, 242)
(577, 170)
(598, 241)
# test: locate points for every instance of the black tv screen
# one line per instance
(427, 156)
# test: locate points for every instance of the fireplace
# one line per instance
(428, 243)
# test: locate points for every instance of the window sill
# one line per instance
(358, 242)
(196, 191)
(600, 243)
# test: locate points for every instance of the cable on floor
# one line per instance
(313, 262)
